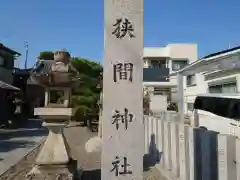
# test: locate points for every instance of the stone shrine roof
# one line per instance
(42, 74)
(43, 67)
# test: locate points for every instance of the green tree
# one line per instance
(46, 55)
(146, 103)
(86, 96)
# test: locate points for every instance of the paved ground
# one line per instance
(14, 144)
(90, 162)
(77, 136)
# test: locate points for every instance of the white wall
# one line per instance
(202, 84)
(158, 103)
(218, 123)
(170, 52)
(190, 92)
(173, 51)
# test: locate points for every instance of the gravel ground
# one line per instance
(76, 136)
(19, 171)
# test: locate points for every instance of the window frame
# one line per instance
(190, 109)
(158, 63)
(4, 61)
(221, 85)
(178, 61)
(192, 83)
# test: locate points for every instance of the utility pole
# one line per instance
(26, 58)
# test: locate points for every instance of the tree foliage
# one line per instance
(86, 96)
(146, 103)
(172, 106)
(46, 55)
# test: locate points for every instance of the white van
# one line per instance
(219, 112)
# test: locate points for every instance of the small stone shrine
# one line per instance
(58, 77)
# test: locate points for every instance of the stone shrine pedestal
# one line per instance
(53, 161)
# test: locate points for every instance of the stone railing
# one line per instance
(182, 152)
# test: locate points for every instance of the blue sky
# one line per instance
(77, 25)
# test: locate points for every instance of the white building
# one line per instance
(219, 74)
(225, 81)
(161, 61)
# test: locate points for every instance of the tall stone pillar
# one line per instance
(123, 131)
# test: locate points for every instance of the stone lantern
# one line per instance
(57, 76)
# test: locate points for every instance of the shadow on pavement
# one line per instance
(7, 135)
(6, 146)
(29, 124)
(92, 174)
(33, 123)
(23, 137)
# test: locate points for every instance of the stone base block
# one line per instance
(55, 172)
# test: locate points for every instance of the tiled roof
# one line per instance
(5, 85)
(11, 51)
(222, 52)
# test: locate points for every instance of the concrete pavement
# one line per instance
(18, 146)
(91, 162)
(17, 143)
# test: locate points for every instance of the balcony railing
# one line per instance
(156, 74)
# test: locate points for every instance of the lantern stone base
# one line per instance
(55, 172)
(55, 150)
(53, 161)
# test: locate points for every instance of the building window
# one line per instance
(158, 63)
(215, 89)
(145, 64)
(190, 106)
(191, 80)
(2, 61)
(160, 91)
(178, 64)
(223, 88)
